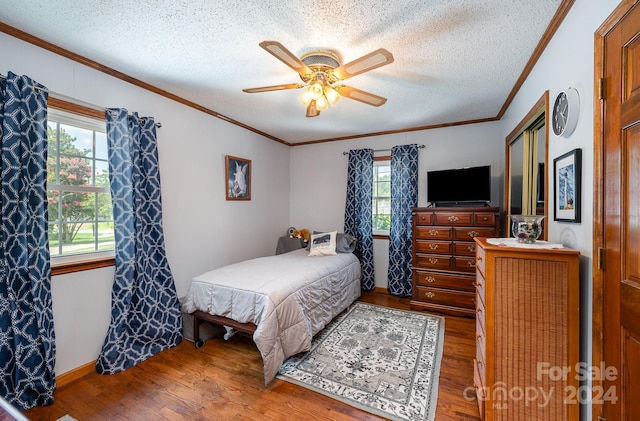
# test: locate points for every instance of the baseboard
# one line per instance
(75, 374)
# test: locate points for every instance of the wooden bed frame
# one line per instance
(199, 316)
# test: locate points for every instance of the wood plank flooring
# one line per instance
(224, 381)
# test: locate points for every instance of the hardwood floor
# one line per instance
(223, 381)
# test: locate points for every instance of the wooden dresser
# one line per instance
(444, 256)
(527, 333)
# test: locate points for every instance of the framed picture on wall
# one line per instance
(567, 171)
(237, 178)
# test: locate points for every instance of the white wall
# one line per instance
(319, 173)
(202, 229)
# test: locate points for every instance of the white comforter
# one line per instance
(289, 297)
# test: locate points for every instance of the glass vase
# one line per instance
(526, 228)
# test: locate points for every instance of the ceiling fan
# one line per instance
(320, 70)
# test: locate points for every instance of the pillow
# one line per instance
(345, 243)
(323, 244)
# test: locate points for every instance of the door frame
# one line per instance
(598, 188)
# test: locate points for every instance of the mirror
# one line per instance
(526, 183)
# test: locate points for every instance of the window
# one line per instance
(80, 210)
(381, 195)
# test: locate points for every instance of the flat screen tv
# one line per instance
(459, 186)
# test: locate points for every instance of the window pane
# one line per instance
(54, 239)
(102, 173)
(105, 207)
(53, 207)
(83, 241)
(101, 146)
(52, 137)
(384, 188)
(106, 238)
(75, 171)
(76, 141)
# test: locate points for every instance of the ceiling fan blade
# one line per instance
(362, 96)
(370, 61)
(312, 111)
(274, 88)
(281, 53)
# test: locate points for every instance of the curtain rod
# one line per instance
(384, 150)
(74, 100)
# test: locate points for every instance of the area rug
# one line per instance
(381, 360)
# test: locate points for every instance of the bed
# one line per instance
(282, 300)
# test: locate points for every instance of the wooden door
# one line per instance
(617, 389)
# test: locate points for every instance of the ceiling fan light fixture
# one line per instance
(331, 94)
(316, 90)
(322, 103)
(305, 97)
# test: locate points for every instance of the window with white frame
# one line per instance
(80, 209)
(381, 195)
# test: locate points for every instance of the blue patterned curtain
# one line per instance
(358, 212)
(27, 341)
(404, 196)
(145, 314)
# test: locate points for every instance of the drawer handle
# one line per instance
(422, 218)
(485, 218)
(430, 279)
(452, 218)
(471, 248)
(433, 261)
(472, 263)
(473, 234)
(433, 246)
(479, 258)
(430, 294)
(433, 232)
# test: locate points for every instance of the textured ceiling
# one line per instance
(454, 60)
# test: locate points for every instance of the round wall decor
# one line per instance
(565, 112)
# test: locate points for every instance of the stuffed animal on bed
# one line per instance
(303, 233)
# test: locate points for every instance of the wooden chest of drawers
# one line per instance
(444, 253)
(527, 333)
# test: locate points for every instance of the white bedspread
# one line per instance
(289, 297)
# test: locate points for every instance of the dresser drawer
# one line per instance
(478, 367)
(480, 329)
(464, 248)
(480, 287)
(433, 233)
(481, 350)
(441, 280)
(481, 261)
(468, 234)
(487, 219)
(433, 261)
(454, 218)
(446, 297)
(437, 247)
(464, 263)
(423, 218)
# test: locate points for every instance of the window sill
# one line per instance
(62, 268)
(381, 236)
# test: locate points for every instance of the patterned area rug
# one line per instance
(381, 360)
